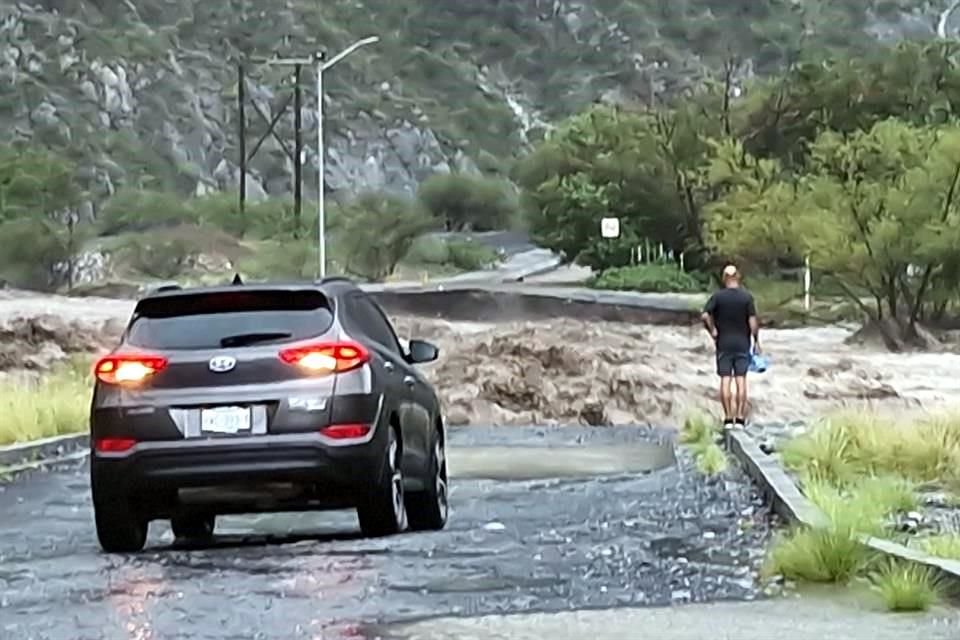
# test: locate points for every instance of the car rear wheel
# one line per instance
(193, 526)
(428, 510)
(120, 529)
(384, 513)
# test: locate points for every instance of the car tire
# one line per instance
(428, 510)
(120, 529)
(193, 527)
(384, 512)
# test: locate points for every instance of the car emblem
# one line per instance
(222, 364)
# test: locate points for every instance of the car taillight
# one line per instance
(334, 357)
(345, 431)
(114, 445)
(128, 369)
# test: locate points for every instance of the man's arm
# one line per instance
(754, 325)
(707, 317)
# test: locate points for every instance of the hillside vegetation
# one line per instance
(141, 93)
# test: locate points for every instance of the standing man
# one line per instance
(730, 317)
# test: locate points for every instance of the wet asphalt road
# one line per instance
(567, 540)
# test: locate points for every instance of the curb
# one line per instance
(531, 273)
(39, 451)
(788, 502)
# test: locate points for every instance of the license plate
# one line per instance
(225, 420)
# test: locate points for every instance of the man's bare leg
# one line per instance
(727, 399)
(740, 402)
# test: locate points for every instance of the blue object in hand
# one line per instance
(758, 363)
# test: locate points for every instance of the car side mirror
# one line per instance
(420, 351)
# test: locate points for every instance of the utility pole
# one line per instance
(295, 153)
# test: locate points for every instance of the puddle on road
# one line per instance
(534, 463)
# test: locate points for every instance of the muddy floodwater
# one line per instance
(566, 371)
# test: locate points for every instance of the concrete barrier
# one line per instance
(479, 304)
(788, 502)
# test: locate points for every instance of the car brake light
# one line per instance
(336, 357)
(129, 368)
(114, 445)
(345, 431)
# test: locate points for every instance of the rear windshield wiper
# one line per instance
(242, 339)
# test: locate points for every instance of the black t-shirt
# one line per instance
(731, 309)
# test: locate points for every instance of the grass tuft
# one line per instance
(698, 426)
(700, 432)
(907, 586)
(828, 554)
(847, 446)
(713, 460)
(943, 546)
(832, 552)
(56, 404)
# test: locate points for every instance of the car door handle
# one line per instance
(410, 381)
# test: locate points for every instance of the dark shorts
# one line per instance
(732, 364)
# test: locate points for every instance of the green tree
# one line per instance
(40, 232)
(142, 210)
(750, 222)
(878, 212)
(642, 167)
(34, 182)
(603, 163)
(468, 203)
(915, 82)
(375, 231)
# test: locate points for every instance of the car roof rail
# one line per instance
(331, 279)
(162, 288)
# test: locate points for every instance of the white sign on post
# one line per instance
(610, 227)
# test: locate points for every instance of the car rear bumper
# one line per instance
(302, 459)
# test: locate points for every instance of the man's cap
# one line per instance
(730, 271)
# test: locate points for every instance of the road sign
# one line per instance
(610, 227)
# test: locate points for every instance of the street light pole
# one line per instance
(323, 65)
(321, 161)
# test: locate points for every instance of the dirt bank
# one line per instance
(564, 371)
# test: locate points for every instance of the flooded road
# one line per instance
(542, 520)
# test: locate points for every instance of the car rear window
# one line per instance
(205, 321)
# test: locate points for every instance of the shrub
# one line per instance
(656, 278)
(467, 202)
(288, 260)
(270, 218)
(141, 210)
(462, 255)
(163, 258)
(33, 251)
(470, 256)
(376, 231)
(428, 250)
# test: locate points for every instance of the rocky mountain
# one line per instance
(144, 92)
